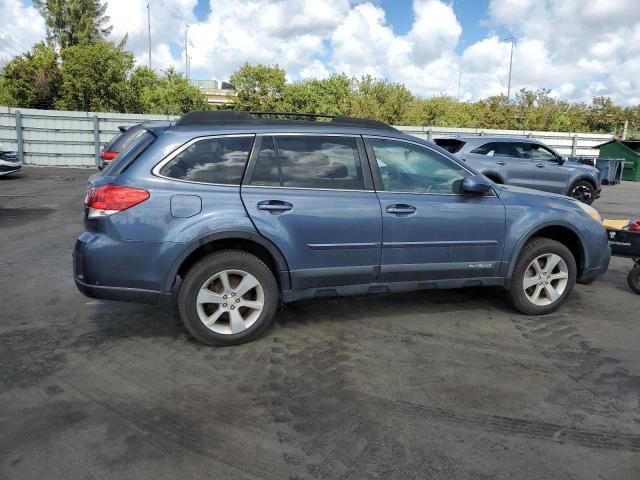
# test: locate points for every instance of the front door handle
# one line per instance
(500, 162)
(274, 206)
(401, 209)
(540, 165)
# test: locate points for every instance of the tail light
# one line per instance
(635, 226)
(108, 199)
(108, 155)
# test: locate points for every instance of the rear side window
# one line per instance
(131, 143)
(329, 162)
(451, 145)
(219, 160)
(502, 149)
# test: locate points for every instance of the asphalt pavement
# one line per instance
(430, 385)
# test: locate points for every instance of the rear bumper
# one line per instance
(119, 294)
(101, 268)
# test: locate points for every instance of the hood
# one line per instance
(581, 167)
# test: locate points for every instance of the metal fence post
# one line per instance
(96, 138)
(574, 145)
(430, 135)
(19, 139)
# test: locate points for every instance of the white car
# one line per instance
(9, 161)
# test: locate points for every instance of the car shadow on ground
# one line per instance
(116, 320)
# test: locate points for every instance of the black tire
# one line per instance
(634, 279)
(583, 191)
(534, 248)
(209, 266)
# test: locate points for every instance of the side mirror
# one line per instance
(476, 184)
(561, 160)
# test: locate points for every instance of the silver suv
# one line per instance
(525, 162)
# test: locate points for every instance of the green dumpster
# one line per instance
(627, 149)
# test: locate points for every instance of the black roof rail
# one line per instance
(232, 116)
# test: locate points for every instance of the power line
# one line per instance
(21, 48)
(15, 50)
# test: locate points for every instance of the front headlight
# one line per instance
(589, 210)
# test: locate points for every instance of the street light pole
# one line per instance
(459, 82)
(510, 65)
(186, 52)
(149, 28)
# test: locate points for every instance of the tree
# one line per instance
(74, 22)
(33, 80)
(325, 96)
(379, 99)
(259, 87)
(170, 94)
(95, 77)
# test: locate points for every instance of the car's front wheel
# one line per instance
(583, 191)
(543, 277)
(228, 297)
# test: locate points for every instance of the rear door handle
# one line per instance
(540, 165)
(274, 206)
(500, 162)
(401, 209)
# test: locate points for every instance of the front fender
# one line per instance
(530, 232)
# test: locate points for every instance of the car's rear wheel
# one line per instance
(583, 191)
(227, 298)
(543, 277)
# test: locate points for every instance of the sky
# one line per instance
(577, 49)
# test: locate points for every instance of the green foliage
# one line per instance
(95, 77)
(259, 87)
(170, 93)
(32, 80)
(74, 22)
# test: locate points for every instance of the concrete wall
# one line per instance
(49, 137)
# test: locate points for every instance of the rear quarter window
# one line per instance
(451, 145)
(219, 160)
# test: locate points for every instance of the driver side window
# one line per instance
(538, 152)
(405, 167)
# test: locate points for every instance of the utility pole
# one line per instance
(459, 82)
(186, 52)
(149, 28)
(510, 65)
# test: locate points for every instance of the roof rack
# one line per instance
(231, 116)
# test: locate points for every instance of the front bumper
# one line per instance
(9, 167)
(591, 272)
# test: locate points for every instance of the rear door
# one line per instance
(515, 166)
(312, 196)
(549, 174)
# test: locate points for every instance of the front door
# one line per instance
(431, 231)
(311, 196)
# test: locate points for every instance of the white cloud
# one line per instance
(576, 48)
(22, 27)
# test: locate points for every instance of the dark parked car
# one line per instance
(525, 162)
(9, 161)
(228, 215)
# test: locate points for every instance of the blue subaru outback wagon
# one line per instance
(227, 215)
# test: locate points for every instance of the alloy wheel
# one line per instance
(581, 193)
(545, 279)
(230, 302)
